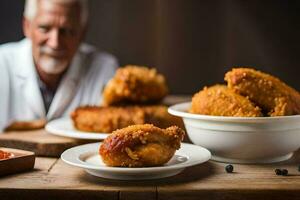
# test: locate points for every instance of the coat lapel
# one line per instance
(27, 81)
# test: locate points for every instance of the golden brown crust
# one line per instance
(108, 119)
(220, 101)
(141, 146)
(26, 125)
(274, 96)
(158, 115)
(135, 84)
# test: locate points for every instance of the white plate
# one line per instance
(87, 157)
(64, 127)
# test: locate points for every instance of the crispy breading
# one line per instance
(271, 94)
(26, 125)
(141, 146)
(135, 84)
(220, 101)
(108, 119)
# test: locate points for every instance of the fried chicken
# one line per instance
(26, 125)
(220, 101)
(271, 94)
(141, 146)
(135, 84)
(108, 119)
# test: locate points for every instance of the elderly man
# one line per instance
(50, 72)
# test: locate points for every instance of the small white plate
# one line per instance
(64, 127)
(87, 157)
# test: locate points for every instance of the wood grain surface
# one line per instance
(52, 178)
(38, 141)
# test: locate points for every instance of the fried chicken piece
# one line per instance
(141, 146)
(108, 119)
(26, 125)
(268, 92)
(220, 101)
(158, 115)
(135, 84)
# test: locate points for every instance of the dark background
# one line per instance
(192, 42)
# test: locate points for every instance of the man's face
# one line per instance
(56, 32)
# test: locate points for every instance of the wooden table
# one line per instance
(53, 179)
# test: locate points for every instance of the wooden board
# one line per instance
(20, 161)
(39, 141)
(44, 144)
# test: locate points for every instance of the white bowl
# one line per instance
(242, 139)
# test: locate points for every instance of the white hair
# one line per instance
(31, 8)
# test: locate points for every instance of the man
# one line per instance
(50, 73)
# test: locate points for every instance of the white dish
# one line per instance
(64, 127)
(242, 139)
(87, 157)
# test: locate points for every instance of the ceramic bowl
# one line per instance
(242, 139)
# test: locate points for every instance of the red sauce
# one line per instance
(5, 155)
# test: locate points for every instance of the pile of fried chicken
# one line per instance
(131, 111)
(249, 93)
(131, 97)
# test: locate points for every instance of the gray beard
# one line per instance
(52, 66)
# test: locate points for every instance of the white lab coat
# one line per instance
(20, 96)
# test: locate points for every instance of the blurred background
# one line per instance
(192, 42)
